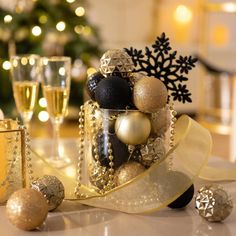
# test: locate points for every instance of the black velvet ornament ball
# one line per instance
(119, 150)
(113, 93)
(184, 199)
(92, 83)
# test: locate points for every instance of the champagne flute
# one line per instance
(25, 73)
(56, 90)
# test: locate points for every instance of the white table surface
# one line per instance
(72, 219)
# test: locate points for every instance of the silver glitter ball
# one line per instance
(160, 121)
(51, 188)
(153, 151)
(116, 62)
(98, 175)
(213, 203)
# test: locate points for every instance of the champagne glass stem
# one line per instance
(56, 136)
(27, 125)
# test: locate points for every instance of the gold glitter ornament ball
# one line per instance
(133, 128)
(128, 171)
(213, 203)
(98, 175)
(149, 94)
(27, 209)
(116, 62)
(51, 188)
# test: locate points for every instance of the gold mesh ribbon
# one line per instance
(156, 187)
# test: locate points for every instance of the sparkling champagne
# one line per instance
(57, 101)
(25, 94)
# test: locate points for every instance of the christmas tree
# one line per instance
(47, 28)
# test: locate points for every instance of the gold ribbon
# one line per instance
(157, 187)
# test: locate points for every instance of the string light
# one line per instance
(24, 61)
(31, 61)
(79, 29)
(91, 71)
(43, 19)
(79, 11)
(43, 102)
(61, 25)
(183, 14)
(7, 18)
(70, 1)
(43, 116)
(6, 65)
(36, 30)
(87, 30)
(229, 7)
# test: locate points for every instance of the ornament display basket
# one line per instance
(12, 158)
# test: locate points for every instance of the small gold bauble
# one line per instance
(160, 121)
(98, 175)
(149, 94)
(213, 203)
(27, 209)
(51, 188)
(116, 62)
(127, 171)
(152, 152)
(133, 128)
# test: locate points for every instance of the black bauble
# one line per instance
(113, 93)
(92, 83)
(119, 150)
(187, 196)
(184, 199)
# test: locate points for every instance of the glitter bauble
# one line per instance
(98, 175)
(133, 128)
(113, 93)
(51, 188)
(128, 171)
(116, 62)
(149, 94)
(27, 209)
(185, 198)
(160, 121)
(92, 83)
(213, 203)
(153, 151)
(135, 77)
(119, 150)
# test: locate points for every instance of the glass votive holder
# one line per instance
(118, 145)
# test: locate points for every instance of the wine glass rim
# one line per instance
(20, 56)
(56, 58)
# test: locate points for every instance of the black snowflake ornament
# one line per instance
(161, 62)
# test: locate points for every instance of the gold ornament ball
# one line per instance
(27, 209)
(98, 175)
(51, 188)
(116, 62)
(213, 203)
(133, 128)
(160, 121)
(128, 171)
(149, 94)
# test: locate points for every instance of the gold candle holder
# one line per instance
(12, 161)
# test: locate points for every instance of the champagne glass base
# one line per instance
(58, 162)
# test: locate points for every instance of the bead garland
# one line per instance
(173, 119)
(106, 184)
